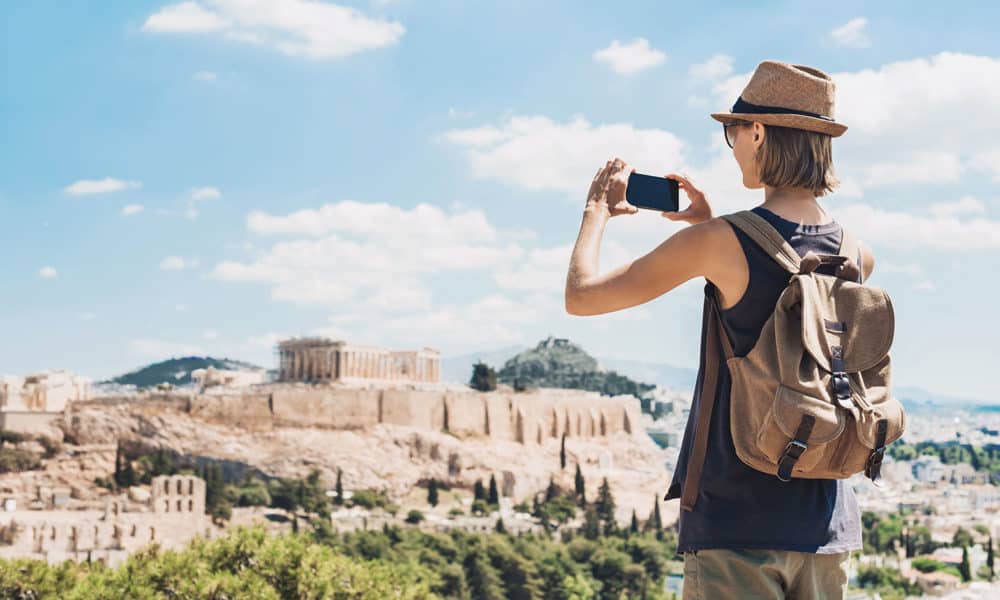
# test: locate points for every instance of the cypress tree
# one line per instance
(634, 526)
(478, 491)
(432, 492)
(338, 497)
(580, 488)
(989, 555)
(654, 523)
(552, 491)
(605, 502)
(494, 497)
(500, 528)
(965, 568)
(562, 452)
(591, 524)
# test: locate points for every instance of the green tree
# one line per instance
(634, 525)
(989, 556)
(338, 488)
(483, 579)
(562, 451)
(478, 491)
(581, 490)
(551, 491)
(500, 527)
(962, 538)
(432, 492)
(484, 378)
(605, 502)
(494, 496)
(965, 568)
(654, 522)
(591, 524)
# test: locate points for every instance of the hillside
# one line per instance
(559, 363)
(177, 371)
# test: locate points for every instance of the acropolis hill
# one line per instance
(384, 419)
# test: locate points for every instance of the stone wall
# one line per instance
(528, 417)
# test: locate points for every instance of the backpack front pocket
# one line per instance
(782, 423)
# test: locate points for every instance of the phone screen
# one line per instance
(652, 192)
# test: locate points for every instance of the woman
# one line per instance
(749, 535)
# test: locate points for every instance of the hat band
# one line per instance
(742, 106)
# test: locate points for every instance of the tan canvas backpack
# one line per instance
(812, 398)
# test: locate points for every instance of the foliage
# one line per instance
(484, 378)
(246, 563)
(889, 583)
(414, 516)
(15, 460)
(432, 492)
(562, 364)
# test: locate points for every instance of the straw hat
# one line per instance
(789, 96)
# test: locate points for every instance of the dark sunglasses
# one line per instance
(729, 136)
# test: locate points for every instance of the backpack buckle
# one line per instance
(842, 389)
(873, 466)
(793, 450)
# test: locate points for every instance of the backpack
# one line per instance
(812, 398)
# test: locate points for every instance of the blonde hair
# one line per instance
(792, 157)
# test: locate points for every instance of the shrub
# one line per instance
(15, 460)
(414, 516)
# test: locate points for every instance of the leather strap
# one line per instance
(767, 237)
(706, 401)
(795, 448)
(873, 466)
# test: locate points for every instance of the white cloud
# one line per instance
(165, 349)
(373, 253)
(919, 167)
(205, 76)
(541, 154)
(210, 334)
(185, 17)
(172, 263)
(851, 34)
(299, 28)
(205, 193)
(47, 272)
(716, 67)
(87, 187)
(627, 59)
(941, 230)
(908, 121)
(963, 206)
(925, 285)
(131, 209)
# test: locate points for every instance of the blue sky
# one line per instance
(207, 177)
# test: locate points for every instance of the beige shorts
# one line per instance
(718, 574)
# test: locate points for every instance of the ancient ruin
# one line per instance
(30, 403)
(172, 515)
(316, 359)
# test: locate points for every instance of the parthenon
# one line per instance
(317, 359)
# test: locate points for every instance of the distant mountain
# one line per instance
(669, 376)
(177, 371)
(559, 363)
(458, 369)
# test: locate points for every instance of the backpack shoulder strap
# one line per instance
(767, 237)
(851, 248)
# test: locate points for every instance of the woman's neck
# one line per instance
(795, 204)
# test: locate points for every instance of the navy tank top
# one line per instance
(738, 506)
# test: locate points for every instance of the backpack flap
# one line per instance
(840, 317)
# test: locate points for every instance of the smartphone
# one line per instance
(652, 192)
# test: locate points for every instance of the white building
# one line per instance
(212, 377)
(29, 403)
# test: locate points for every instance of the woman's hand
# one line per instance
(607, 190)
(696, 212)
